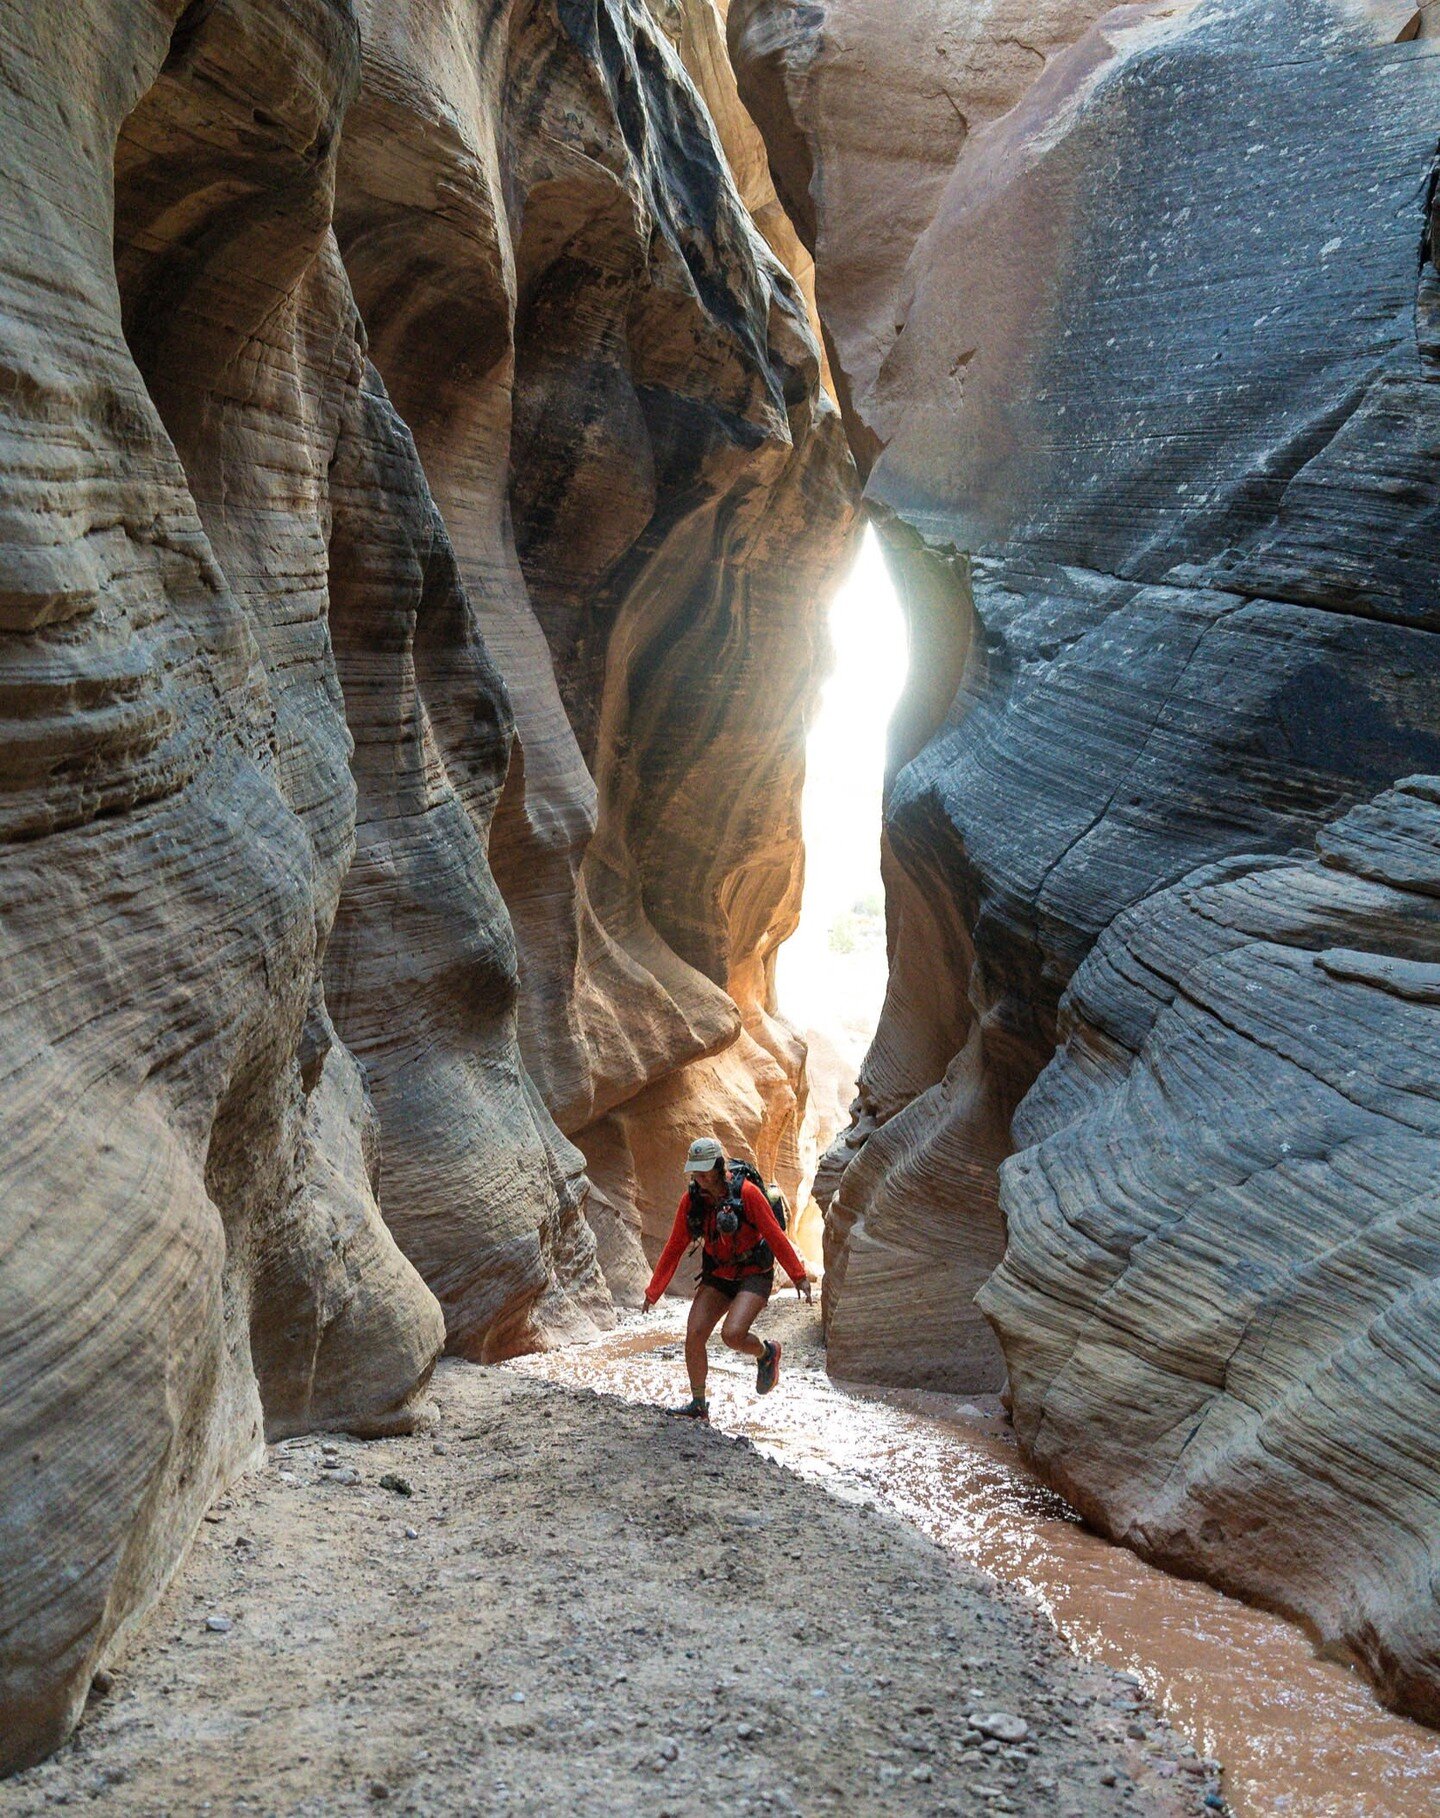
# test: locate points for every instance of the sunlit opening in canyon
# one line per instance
(831, 974)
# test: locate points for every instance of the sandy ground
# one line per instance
(589, 1608)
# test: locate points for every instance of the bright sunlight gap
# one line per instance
(830, 975)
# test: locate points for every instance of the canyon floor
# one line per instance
(584, 1607)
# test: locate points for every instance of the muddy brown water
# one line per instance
(1298, 1735)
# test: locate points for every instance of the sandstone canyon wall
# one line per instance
(419, 503)
(1132, 315)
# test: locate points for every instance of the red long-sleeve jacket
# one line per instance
(722, 1252)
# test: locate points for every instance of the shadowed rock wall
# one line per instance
(293, 694)
(1221, 1296)
(1142, 365)
(190, 1228)
(615, 394)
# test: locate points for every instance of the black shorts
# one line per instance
(762, 1284)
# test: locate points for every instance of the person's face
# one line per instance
(712, 1185)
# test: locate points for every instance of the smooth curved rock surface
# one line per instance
(1221, 1297)
(865, 111)
(481, 1190)
(1145, 380)
(190, 1231)
(275, 1057)
(615, 394)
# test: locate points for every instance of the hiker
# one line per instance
(740, 1238)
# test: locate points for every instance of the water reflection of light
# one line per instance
(1299, 1737)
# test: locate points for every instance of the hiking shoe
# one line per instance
(767, 1371)
(694, 1409)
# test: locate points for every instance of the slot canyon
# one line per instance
(433, 433)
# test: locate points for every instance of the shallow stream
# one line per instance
(1298, 1736)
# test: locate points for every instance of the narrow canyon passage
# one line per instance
(433, 435)
(1298, 1736)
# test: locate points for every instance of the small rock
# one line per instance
(744, 1731)
(517, 1698)
(102, 1683)
(1001, 1725)
(379, 1790)
(440, 1448)
(346, 1476)
(1109, 1777)
(412, 1533)
(921, 1773)
(329, 1451)
(669, 1750)
(1136, 1731)
(399, 1486)
(219, 1625)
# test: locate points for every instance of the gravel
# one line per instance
(572, 1616)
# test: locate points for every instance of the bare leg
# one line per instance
(706, 1311)
(745, 1309)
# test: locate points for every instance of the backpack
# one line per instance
(772, 1192)
(739, 1173)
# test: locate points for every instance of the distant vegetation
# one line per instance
(859, 928)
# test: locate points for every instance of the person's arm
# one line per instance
(758, 1209)
(675, 1247)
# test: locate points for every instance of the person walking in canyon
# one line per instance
(741, 1240)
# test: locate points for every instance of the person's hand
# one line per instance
(804, 1290)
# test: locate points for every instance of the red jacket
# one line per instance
(722, 1252)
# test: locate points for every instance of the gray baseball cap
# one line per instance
(704, 1154)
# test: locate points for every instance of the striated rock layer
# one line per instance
(298, 693)
(614, 391)
(190, 1230)
(1221, 1297)
(1145, 381)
